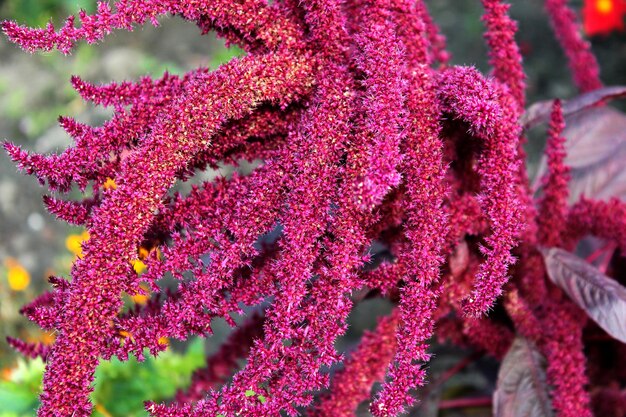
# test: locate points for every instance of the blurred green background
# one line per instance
(35, 89)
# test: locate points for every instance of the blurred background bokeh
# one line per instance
(35, 90)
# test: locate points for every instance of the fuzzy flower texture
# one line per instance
(362, 136)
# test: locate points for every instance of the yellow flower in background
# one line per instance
(74, 243)
(164, 341)
(604, 6)
(140, 299)
(138, 266)
(17, 276)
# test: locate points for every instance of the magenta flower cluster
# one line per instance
(361, 132)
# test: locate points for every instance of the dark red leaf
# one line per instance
(596, 153)
(521, 390)
(540, 112)
(600, 296)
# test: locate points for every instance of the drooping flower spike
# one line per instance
(554, 207)
(582, 62)
(378, 170)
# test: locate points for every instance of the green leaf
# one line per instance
(17, 398)
(122, 387)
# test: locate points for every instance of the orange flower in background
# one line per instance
(47, 338)
(109, 184)
(603, 16)
(141, 297)
(5, 373)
